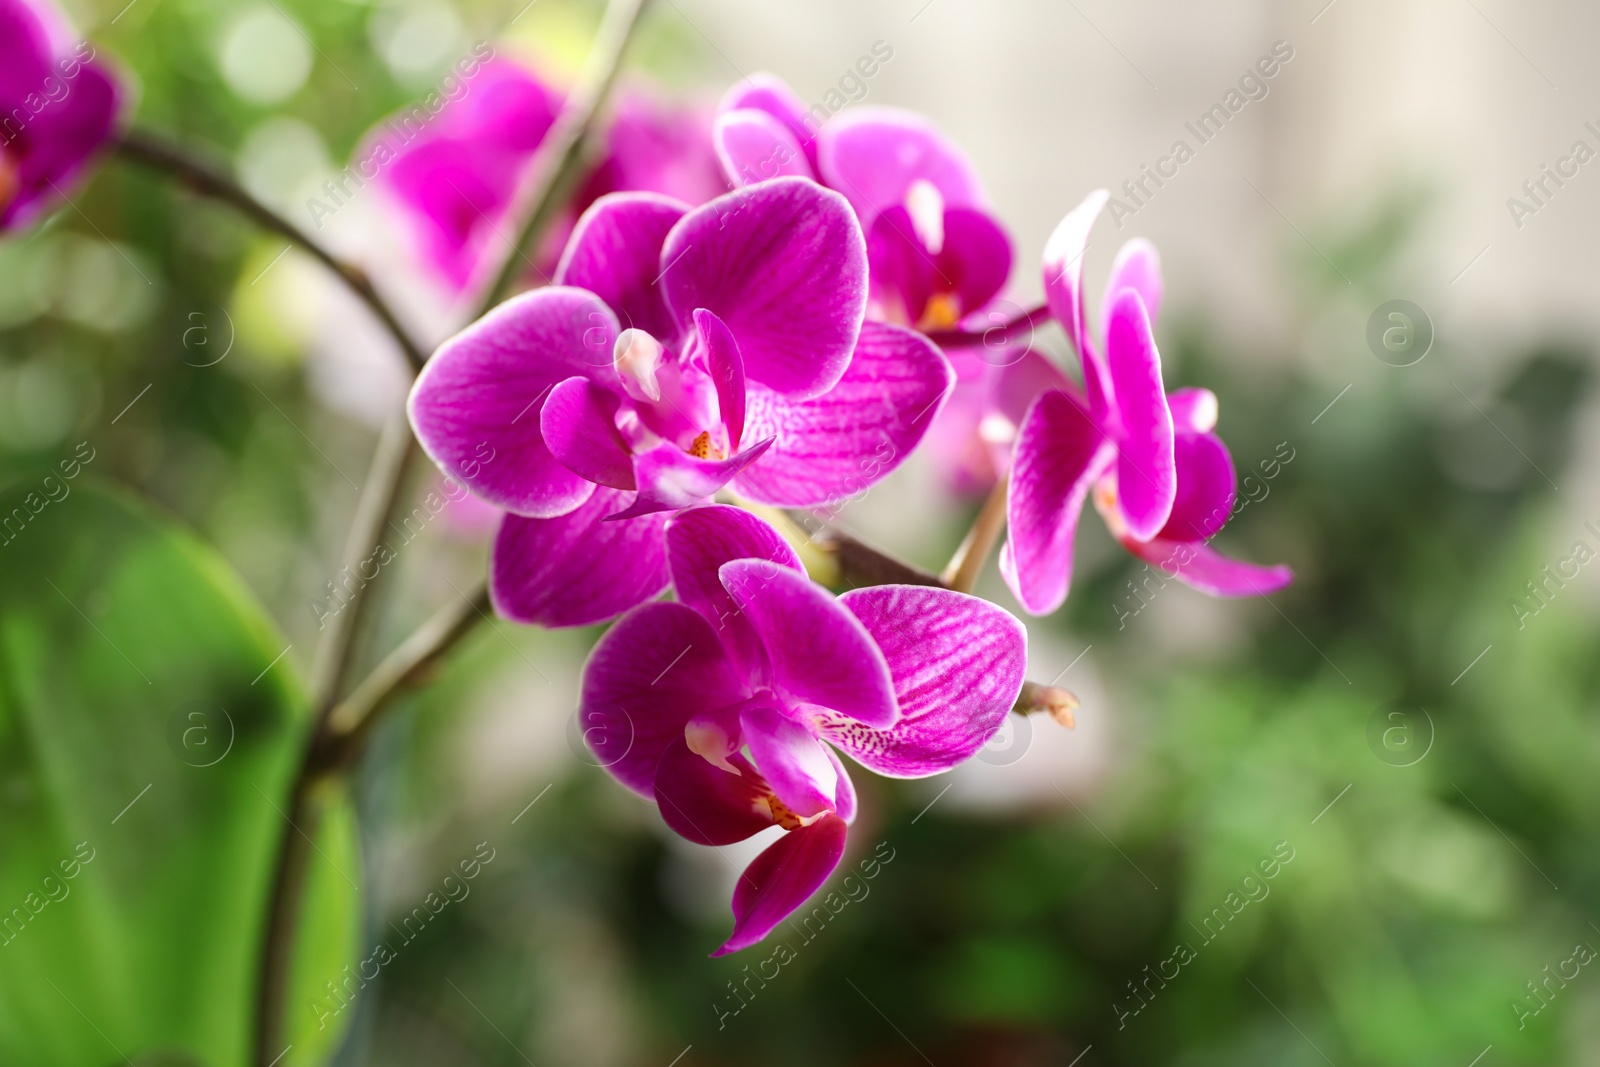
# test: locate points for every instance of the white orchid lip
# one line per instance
(925, 205)
(636, 356)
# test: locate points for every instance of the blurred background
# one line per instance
(1406, 737)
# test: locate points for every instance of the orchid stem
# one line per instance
(555, 163)
(961, 574)
(156, 153)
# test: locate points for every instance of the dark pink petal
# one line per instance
(1063, 290)
(844, 801)
(577, 569)
(1147, 480)
(579, 424)
(60, 140)
(1195, 563)
(669, 478)
(1024, 381)
(476, 404)
(958, 664)
(752, 146)
(659, 667)
(976, 257)
(767, 92)
(873, 155)
(26, 51)
(971, 262)
(819, 652)
(707, 804)
(699, 541)
(727, 372)
(784, 264)
(1137, 267)
(791, 759)
(852, 436)
(1194, 410)
(904, 273)
(656, 146)
(782, 878)
(1206, 485)
(615, 253)
(1059, 454)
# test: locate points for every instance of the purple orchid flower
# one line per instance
(454, 174)
(679, 351)
(1161, 479)
(725, 707)
(937, 254)
(57, 108)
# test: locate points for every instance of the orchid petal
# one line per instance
(670, 478)
(819, 653)
(1204, 568)
(958, 664)
(1147, 480)
(1194, 410)
(844, 800)
(576, 569)
(851, 437)
(707, 804)
(791, 759)
(873, 155)
(657, 669)
(784, 265)
(1063, 290)
(782, 878)
(1137, 267)
(699, 541)
(579, 426)
(476, 405)
(615, 253)
(1059, 454)
(1206, 487)
(768, 93)
(727, 372)
(752, 146)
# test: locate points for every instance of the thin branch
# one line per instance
(149, 150)
(961, 574)
(556, 161)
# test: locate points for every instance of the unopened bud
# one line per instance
(1058, 703)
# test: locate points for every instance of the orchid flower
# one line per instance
(57, 108)
(455, 174)
(725, 707)
(937, 254)
(680, 350)
(1161, 479)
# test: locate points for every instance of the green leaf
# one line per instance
(149, 730)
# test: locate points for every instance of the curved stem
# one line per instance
(994, 335)
(961, 574)
(149, 150)
(555, 164)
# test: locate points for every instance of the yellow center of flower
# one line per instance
(782, 815)
(703, 447)
(941, 313)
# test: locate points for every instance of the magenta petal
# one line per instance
(699, 541)
(767, 92)
(784, 265)
(1147, 480)
(1137, 267)
(579, 425)
(577, 569)
(1059, 454)
(26, 50)
(844, 800)
(791, 759)
(670, 478)
(659, 667)
(476, 404)
(752, 146)
(782, 878)
(1206, 486)
(60, 140)
(819, 652)
(1063, 268)
(976, 256)
(1208, 570)
(707, 804)
(852, 436)
(615, 253)
(727, 372)
(958, 664)
(873, 155)
(1194, 410)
